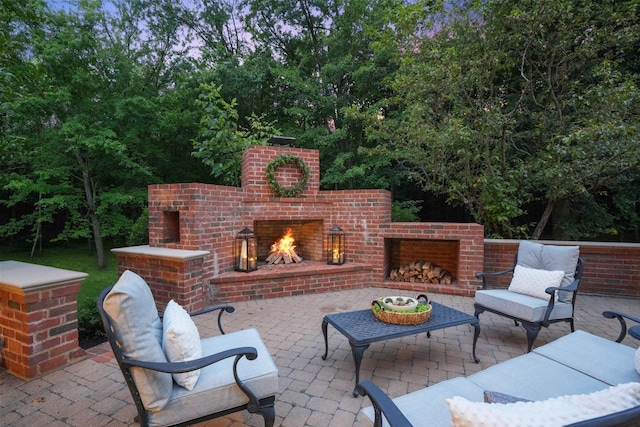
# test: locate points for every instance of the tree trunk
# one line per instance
(544, 219)
(90, 197)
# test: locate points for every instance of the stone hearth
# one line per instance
(192, 228)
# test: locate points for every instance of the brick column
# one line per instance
(182, 275)
(38, 318)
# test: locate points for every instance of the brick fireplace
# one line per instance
(192, 228)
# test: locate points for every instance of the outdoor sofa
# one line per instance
(570, 368)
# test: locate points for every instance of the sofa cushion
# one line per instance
(534, 282)
(216, 388)
(550, 257)
(597, 357)
(558, 411)
(636, 360)
(524, 307)
(430, 402)
(181, 342)
(497, 397)
(138, 329)
(534, 377)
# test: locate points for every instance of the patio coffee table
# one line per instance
(362, 328)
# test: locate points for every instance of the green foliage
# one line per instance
(139, 234)
(221, 141)
(502, 108)
(502, 104)
(273, 182)
(405, 211)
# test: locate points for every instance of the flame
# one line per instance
(285, 244)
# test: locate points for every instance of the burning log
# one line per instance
(283, 251)
(421, 271)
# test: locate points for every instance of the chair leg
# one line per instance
(532, 333)
(479, 310)
(571, 325)
(269, 415)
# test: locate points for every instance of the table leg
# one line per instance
(357, 351)
(476, 333)
(326, 342)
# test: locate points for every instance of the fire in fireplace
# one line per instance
(283, 251)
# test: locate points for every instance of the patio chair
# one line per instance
(542, 291)
(221, 375)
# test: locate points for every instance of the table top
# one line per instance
(362, 327)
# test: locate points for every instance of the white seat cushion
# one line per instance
(138, 329)
(597, 357)
(521, 306)
(433, 398)
(216, 388)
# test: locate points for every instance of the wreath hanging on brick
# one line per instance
(273, 182)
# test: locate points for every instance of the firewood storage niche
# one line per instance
(422, 260)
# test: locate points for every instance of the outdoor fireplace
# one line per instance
(193, 227)
(307, 235)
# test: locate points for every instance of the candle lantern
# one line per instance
(335, 246)
(244, 252)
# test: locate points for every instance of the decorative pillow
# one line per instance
(496, 397)
(557, 411)
(551, 257)
(181, 342)
(532, 282)
(138, 328)
(636, 360)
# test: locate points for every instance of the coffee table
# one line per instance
(362, 328)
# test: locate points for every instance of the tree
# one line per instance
(502, 104)
(222, 141)
(324, 76)
(93, 120)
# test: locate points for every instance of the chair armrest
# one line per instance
(191, 365)
(483, 276)
(610, 314)
(382, 405)
(222, 308)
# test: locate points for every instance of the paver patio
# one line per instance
(313, 392)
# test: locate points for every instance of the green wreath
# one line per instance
(273, 182)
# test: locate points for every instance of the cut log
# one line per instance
(421, 272)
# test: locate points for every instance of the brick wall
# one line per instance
(609, 268)
(205, 217)
(38, 318)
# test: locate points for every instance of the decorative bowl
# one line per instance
(400, 303)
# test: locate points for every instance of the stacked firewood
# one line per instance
(283, 257)
(421, 271)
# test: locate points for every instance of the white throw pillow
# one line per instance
(181, 342)
(533, 282)
(636, 360)
(558, 411)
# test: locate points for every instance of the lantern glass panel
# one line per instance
(245, 252)
(335, 246)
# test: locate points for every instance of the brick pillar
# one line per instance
(38, 318)
(178, 274)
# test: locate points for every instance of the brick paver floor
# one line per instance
(313, 392)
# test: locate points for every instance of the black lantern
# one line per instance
(244, 252)
(335, 246)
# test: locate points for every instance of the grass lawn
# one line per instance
(76, 257)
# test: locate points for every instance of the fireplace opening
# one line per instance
(433, 258)
(306, 234)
